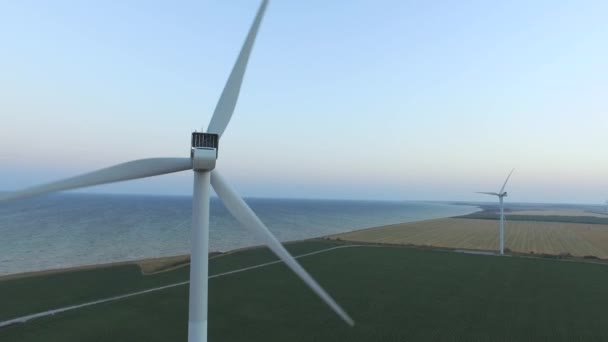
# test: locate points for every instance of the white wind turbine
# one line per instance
(501, 194)
(203, 155)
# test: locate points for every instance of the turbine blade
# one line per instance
(227, 102)
(241, 211)
(487, 193)
(141, 168)
(506, 180)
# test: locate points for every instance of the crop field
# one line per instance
(393, 293)
(577, 239)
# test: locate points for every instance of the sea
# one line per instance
(67, 230)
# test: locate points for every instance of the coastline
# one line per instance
(148, 266)
(177, 259)
(63, 232)
(165, 263)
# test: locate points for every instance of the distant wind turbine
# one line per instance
(203, 155)
(501, 194)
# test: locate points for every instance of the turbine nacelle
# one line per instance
(504, 194)
(203, 151)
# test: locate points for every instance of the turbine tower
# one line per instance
(202, 160)
(501, 195)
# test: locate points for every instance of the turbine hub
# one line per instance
(204, 151)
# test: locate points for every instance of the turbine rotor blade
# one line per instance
(141, 168)
(487, 193)
(241, 211)
(230, 95)
(506, 180)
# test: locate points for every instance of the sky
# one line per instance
(395, 100)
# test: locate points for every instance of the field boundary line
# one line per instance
(24, 319)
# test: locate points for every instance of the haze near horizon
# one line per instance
(389, 100)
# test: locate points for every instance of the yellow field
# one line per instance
(578, 239)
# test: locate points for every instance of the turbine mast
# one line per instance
(204, 155)
(199, 259)
(502, 226)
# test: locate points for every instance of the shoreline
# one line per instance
(171, 258)
(148, 266)
(166, 263)
(178, 261)
(73, 249)
(167, 259)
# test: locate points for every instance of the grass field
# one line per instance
(577, 239)
(394, 294)
(545, 217)
(560, 212)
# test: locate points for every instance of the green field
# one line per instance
(393, 293)
(493, 215)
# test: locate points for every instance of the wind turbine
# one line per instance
(501, 194)
(203, 155)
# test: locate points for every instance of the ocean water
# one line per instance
(80, 229)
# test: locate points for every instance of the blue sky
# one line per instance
(345, 99)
